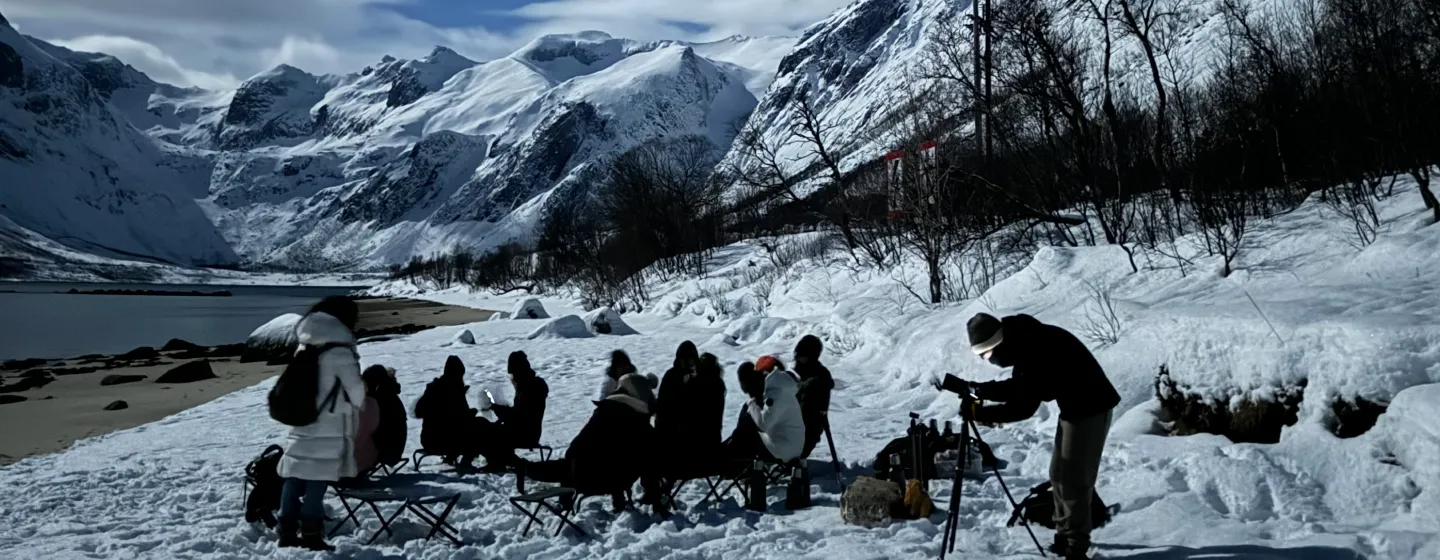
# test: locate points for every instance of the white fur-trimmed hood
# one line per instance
(315, 329)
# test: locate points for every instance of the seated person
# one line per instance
(616, 447)
(770, 428)
(446, 417)
(392, 428)
(520, 424)
(814, 390)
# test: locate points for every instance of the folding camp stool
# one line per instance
(543, 499)
(420, 455)
(371, 496)
(545, 451)
(713, 482)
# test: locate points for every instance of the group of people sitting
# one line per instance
(361, 423)
(635, 416)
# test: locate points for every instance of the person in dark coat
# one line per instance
(445, 415)
(390, 435)
(670, 402)
(1049, 364)
(815, 386)
(620, 366)
(521, 423)
(616, 447)
(697, 422)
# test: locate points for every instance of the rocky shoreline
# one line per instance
(47, 404)
(220, 293)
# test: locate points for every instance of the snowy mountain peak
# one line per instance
(445, 56)
(563, 57)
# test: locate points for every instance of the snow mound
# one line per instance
(273, 338)
(569, 326)
(606, 321)
(529, 309)
(464, 337)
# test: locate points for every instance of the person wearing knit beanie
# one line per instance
(1047, 363)
(815, 386)
(520, 424)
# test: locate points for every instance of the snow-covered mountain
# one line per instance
(414, 157)
(405, 157)
(867, 60)
(74, 170)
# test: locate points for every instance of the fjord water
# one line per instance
(40, 320)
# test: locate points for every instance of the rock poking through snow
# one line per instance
(464, 337)
(188, 373)
(529, 309)
(569, 326)
(606, 321)
(871, 502)
(273, 339)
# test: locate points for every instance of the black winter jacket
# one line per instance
(444, 414)
(1050, 364)
(391, 433)
(612, 451)
(524, 420)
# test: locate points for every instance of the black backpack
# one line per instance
(292, 399)
(1039, 508)
(265, 485)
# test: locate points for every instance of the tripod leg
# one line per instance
(834, 457)
(947, 541)
(994, 468)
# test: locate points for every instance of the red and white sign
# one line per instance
(928, 158)
(895, 167)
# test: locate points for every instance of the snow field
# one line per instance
(1352, 322)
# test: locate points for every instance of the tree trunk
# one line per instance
(1422, 178)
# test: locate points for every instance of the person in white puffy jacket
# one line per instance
(772, 427)
(324, 451)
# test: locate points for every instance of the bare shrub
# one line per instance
(1102, 323)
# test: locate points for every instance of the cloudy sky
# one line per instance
(215, 43)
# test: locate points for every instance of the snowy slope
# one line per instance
(867, 59)
(1310, 496)
(75, 171)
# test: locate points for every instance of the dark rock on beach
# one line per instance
(16, 365)
(27, 383)
(120, 379)
(176, 344)
(141, 353)
(117, 405)
(188, 373)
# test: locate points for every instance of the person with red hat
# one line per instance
(771, 427)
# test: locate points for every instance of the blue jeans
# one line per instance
(314, 492)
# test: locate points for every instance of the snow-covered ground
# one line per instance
(1352, 322)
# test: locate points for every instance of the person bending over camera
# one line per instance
(1047, 364)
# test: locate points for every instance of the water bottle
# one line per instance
(755, 500)
(897, 471)
(797, 495)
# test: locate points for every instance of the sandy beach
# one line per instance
(72, 404)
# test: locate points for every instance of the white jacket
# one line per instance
(325, 450)
(782, 428)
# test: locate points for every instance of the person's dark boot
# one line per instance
(1060, 547)
(312, 535)
(288, 531)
